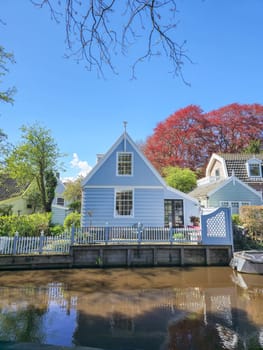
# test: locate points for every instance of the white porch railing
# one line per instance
(113, 235)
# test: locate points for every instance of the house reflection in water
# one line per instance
(218, 314)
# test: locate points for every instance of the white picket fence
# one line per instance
(35, 245)
(97, 235)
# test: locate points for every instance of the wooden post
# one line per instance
(182, 255)
(41, 242)
(15, 243)
(128, 257)
(72, 239)
(155, 256)
(171, 235)
(139, 232)
(107, 231)
(207, 255)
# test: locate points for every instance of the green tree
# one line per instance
(254, 147)
(51, 184)
(72, 194)
(6, 95)
(34, 160)
(183, 179)
(4, 148)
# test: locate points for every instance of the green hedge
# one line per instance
(25, 225)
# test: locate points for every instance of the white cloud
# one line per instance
(81, 165)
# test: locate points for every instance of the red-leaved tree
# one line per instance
(235, 126)
(188, 137)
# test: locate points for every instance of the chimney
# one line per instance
(99, 157)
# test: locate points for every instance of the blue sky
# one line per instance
(85, 113)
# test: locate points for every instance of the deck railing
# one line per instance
(97, 235)
(116, 235)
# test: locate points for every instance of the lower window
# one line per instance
(124, 203)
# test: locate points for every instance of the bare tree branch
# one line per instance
(98, 30)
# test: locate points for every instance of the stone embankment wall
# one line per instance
(123, 256)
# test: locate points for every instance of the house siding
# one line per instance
(142, 174)
(100, 203)
(59, 214)
(234, 191)
(148, 207)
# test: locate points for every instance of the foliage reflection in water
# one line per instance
(124, 309)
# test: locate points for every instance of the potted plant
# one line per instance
(195, 220)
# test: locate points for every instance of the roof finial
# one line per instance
(125, 125)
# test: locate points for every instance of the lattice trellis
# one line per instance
(216, 225)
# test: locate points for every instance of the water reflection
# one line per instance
(168, 308)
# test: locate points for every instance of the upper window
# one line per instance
(254, 168)
(60, 201)
(124, 203)
(124, 163)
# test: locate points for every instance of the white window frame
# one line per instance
(251, 163)
(118, 190)
(117, 164)
(228, 204)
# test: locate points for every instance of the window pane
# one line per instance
(60, 201)
(254, 170)
(124, 163)
(235, 204)
(124, 203)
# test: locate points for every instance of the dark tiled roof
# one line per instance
(9, 188)
(236, 162)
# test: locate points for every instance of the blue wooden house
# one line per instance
(124, 189)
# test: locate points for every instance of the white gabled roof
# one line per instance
(211, 162)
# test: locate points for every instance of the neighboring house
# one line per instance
(232, 180)
(60, 207)
(124, 189)
(15, 196)
(231, 192)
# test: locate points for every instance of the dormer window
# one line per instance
(217, 174)
(254, 168)
(124, 163)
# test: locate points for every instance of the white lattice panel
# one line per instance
(216, 225)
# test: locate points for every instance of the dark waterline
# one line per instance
(131, 309)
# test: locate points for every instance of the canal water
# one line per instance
(171, 308)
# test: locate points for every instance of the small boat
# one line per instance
(248, 261)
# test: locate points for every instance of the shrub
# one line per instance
(25, 225)
(72, 219)
(56, 230)
(236, 219)
(251, 217)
